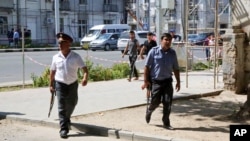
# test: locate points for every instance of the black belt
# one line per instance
(168, 80)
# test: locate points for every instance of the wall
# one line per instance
(236, 66)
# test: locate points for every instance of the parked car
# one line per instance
(200, 39)
(191, 37)
(141, 36)
(106, 41)
(98, 30)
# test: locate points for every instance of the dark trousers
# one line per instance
(16, 42)
(162, 91)
(208, 54)
(133, 70)
(67, 97)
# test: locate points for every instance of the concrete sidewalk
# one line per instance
(32, 105)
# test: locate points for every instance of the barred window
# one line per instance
(107, 22)
(107, 1)
(3, 25)
(83, 2)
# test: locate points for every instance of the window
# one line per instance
(192, 25)
(107, 22)
(120, 30)
(111, 30)
(171, 13)
(83, 2)
(171, 26)
(115, 36)
(3, 25)
(82, 28)
(107, 1)
(142, 35)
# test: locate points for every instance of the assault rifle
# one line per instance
(148, 97)
(52, 99)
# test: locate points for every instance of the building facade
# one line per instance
(76, 17)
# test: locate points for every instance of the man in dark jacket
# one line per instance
(148, 45)
(174, 36)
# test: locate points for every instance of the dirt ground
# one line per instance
(203, 119)
(16, 131)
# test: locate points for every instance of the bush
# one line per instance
(201, 66)
(41, 81)
(96, 73)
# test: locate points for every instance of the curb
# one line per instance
(214, 93)
(95, 130)
(109, 132)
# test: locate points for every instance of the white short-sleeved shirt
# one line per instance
(66, 68)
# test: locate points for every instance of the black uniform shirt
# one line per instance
(149, 45)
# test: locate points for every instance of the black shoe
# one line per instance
(148, 116)
(64, 134)
(169, 127)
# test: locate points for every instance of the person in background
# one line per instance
(175, 38)
(10, 35)
(161, 61)
(208, 42)
(148, 45)
(133, 47)
(16, 38)
(64, 80)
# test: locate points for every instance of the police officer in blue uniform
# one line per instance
(161, 61)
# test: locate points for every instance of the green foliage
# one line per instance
(202, 66)
(41, 81)
(121, 70)
(75, 44)
(3, 46)
(96, 73)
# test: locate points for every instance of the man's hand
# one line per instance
(178, 86)
(52, 89)
(123, 55)
(84, 82)
(145, 85)
(142, 57)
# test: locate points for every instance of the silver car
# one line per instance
(107, 41)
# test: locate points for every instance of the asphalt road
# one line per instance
(18, 66)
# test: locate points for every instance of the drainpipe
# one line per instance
(17, 14)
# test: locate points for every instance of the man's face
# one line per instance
(64, 45)
(132, 35)
(166, 42)
(172, 33)
(149, 37)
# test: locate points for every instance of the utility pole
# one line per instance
(159, 21)
(57, 17)
(137, 15)
(17, 14)
(148, 15)
(216, 40)
(186, 11)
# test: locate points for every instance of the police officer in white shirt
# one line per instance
(64, 80)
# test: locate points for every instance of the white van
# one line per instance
(98, 30)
